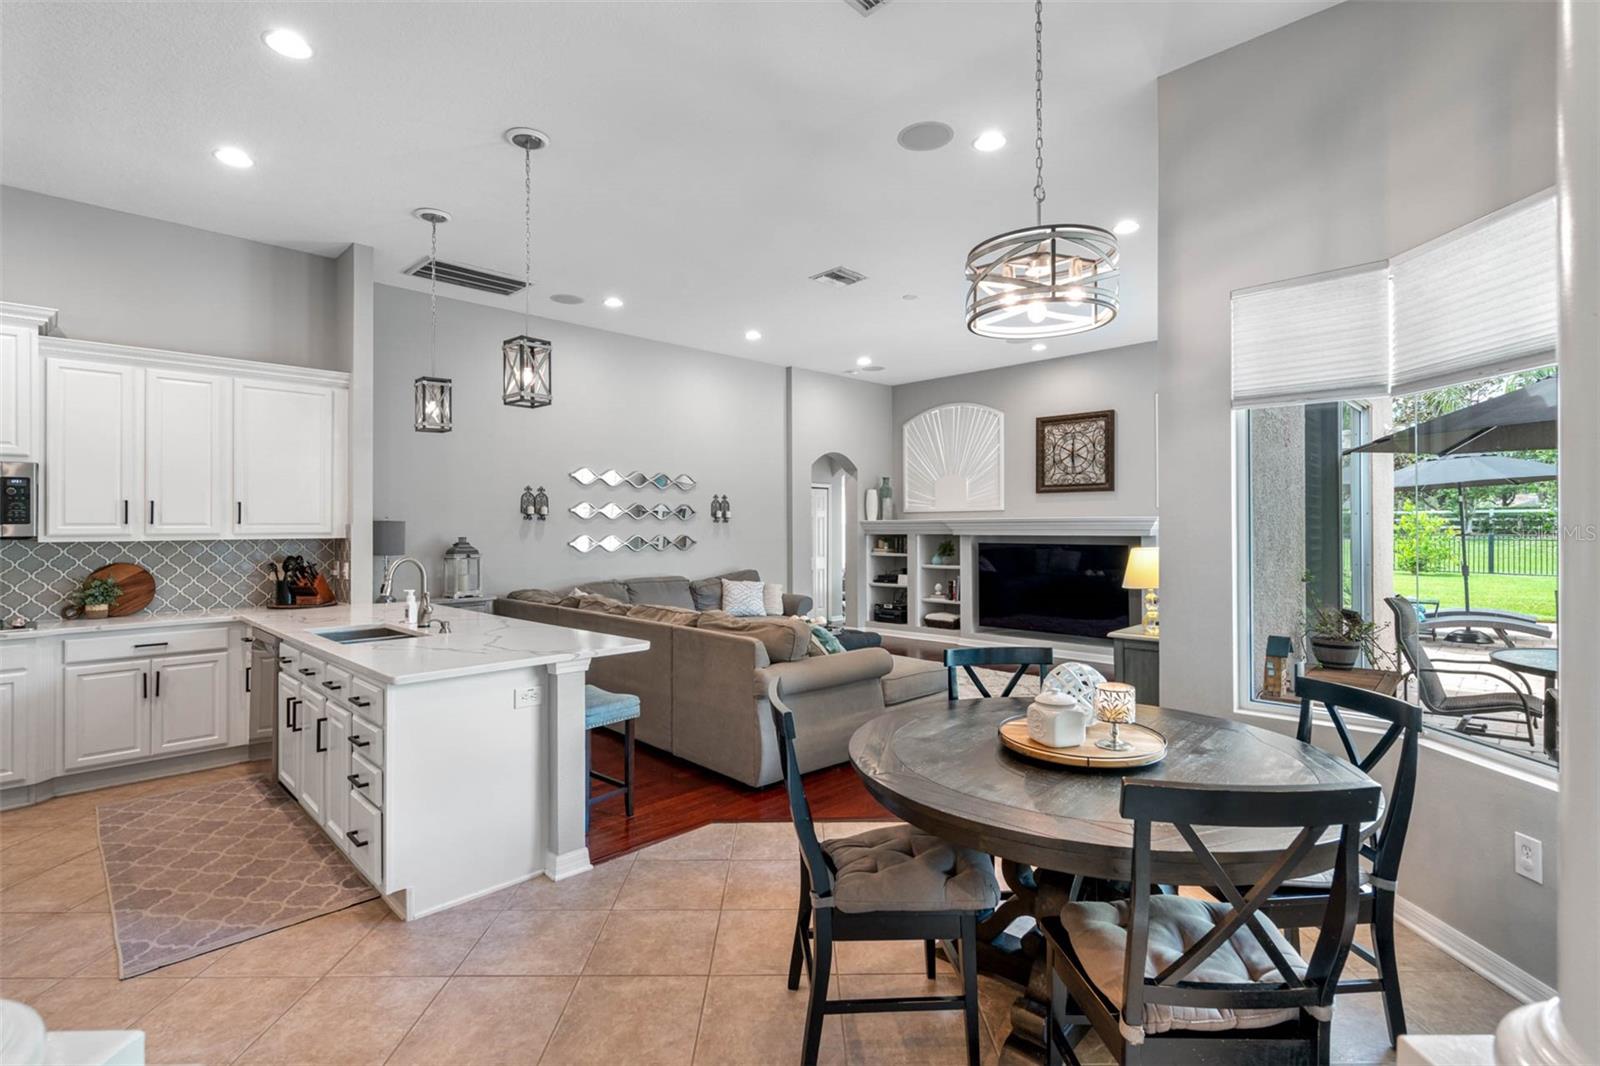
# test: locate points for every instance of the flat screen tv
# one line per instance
(1071, 590)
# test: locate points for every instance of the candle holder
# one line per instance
(534, 505)
(1114, 704)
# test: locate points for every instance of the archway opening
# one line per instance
(832, 515)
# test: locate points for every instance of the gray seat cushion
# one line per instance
(611, 590)
(912, 679)
(661, 591)
(898, 868)
(1492, 703)
(1099, 936)
(707, 592)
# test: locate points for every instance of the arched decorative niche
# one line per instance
(954, 458)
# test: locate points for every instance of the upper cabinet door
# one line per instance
(91, 441)
(19, 358)
(283, 458)
(185, 454)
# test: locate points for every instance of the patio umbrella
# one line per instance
(1523, 420)
(1470, 471)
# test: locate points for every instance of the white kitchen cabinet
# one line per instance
(284, 457)
(105, 713)
(186, 450)
(313, 722)
(14, 730)
(190, 697)
(92, 434)
(336, 790)
(19, 366)
(288, 734)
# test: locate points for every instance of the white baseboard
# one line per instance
(1496, 969)
(566, 864)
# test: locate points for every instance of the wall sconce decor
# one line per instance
(720, 509)
(534, 504)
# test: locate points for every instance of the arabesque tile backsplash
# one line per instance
(37, 578)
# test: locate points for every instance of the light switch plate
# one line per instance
(1529, 857)
(525, 699)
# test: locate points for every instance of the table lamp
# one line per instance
(1144, 572)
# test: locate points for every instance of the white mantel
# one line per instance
(1143, 526)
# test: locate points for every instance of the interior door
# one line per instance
(821, 505)
(190, 696)
(106, 713)
(92, 441)
(313, 722)
(185, 453)
(283, 458)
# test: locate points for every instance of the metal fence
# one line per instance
(1518, 554)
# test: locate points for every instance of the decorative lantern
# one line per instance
(433, 405)
(432, 400)
(534, 504)
(1277, 680)
(1114, 703)
(463, 575)
(527, 372)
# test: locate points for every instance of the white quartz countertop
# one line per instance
(476, 644)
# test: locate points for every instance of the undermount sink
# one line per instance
(363, 634)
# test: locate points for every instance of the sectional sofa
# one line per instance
(702, 685)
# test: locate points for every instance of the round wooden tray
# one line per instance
(138, 587)
(1148, 746)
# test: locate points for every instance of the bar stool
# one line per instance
(600, 709)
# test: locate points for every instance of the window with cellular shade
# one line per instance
(1321, 337)
(1479, 300)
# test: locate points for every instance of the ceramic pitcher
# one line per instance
(1057, 720)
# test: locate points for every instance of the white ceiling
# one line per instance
(706, 158)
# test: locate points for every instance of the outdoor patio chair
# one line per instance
(1473, 709)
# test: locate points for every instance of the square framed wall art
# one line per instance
(1076, 453)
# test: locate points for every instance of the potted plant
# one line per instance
(945, 553)
(98, 595)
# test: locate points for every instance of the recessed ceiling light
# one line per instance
(925, 136)
(909, 296)
(613, 302)
(989, 141)
(863, 360)
(1125, 227)
(1041, 347)
(229, 156)
(752, 334)
(566, 298)
(287, 43)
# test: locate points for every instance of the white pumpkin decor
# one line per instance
(1076, 680)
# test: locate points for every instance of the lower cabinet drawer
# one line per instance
(366, 780)
(366, 699)
(366, 740)
(144, 643)
(364, 838)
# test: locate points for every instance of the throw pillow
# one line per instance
(772, 598)
(744, 599)
(829, 642)
(707, 592)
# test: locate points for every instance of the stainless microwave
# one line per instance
(19, 500)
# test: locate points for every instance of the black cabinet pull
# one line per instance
(330, 684)
(295, 724)
(357, 742)
(247, 679)
(356, 840)
(307, 671)
(152, 512)
(288, 712)
(239, 511)
(359, 702)
(144, 686)
(321, 745)
(152, 644)
(158, 684)
(124, 512)
(356, 782)
(285, 660)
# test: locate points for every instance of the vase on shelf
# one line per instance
(885, 499)
(871, 508)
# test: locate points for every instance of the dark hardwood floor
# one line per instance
(671, 796)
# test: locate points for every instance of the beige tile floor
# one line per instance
(673, 955)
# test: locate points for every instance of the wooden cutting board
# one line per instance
(138, 587)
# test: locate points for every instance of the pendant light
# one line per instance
(527, 359)
(1042, 281)
(432, 402)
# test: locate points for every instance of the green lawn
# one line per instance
(1529, 595)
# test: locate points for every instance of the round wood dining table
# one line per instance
(941, 767)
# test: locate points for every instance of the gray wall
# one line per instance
(1118, 379)
(126, 279)
(621, 402)
(1342, 138)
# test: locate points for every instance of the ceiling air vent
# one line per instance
(866, 7)
(838, 277)
(466, 276)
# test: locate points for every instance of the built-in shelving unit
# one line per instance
(888, 581)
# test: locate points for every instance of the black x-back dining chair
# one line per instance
(1227, 985)
(895, 883)
(1299, 902)
(958, 659)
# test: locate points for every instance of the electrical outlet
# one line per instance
(525, 699)
(1529, 858)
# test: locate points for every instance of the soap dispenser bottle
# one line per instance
(411, 608)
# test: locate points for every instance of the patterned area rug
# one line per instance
(995, 681)
(197, 870)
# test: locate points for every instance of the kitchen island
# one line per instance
(447, 765)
